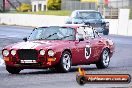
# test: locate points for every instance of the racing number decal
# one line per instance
(87, 51)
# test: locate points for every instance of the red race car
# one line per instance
(59, 47)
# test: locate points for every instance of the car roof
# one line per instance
(65, 25)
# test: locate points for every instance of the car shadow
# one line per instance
(48, 71)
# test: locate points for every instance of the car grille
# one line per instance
(27, 54)
(95, 25)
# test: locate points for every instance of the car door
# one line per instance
(80, 47)
(92, 48)
(88, 47)
(99, 43)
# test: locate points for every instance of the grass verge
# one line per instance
(51, 12)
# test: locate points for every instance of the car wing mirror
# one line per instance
(25, 39)
(80, 37)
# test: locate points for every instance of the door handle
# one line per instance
(88, 42)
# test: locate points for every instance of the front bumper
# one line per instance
(30, 64)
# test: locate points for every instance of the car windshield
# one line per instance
(52, 33)
(87, 15)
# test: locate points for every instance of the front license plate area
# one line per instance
(28, 61)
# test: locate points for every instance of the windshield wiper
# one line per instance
(66, 36)
(50, 36)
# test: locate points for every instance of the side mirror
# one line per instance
(80, 37)
(103, 17)
(25, 39)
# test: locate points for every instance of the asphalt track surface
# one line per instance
(121, 63)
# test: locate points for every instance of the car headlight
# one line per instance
(51, 53)
(13, 52)
(5, 52)
(42, 52)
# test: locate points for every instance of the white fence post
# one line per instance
(123, 22)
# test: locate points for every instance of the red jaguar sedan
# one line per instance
(59, 47)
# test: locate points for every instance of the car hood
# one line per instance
(89, 20)
(37, 44)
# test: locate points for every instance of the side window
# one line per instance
(89, 32)
(80, 30)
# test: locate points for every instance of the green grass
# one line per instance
(130, 16)
(51, 12)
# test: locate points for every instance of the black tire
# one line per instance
(13, 70)
(104, 59)
(64, 66)
(106, 31)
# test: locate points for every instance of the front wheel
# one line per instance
(65, 62)
(13, 70)
(106, 31)
(104, 60)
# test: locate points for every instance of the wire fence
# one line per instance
(114, 6)
(11, 5)
(77, 5)
(119, 4)
(109, 11)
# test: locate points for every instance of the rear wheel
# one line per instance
(65, 63)
(13, 70)
(104, 60)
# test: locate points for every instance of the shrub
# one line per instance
(24, 7)
(54, 4)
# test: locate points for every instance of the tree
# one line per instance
(24, 7)
(54, 4)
